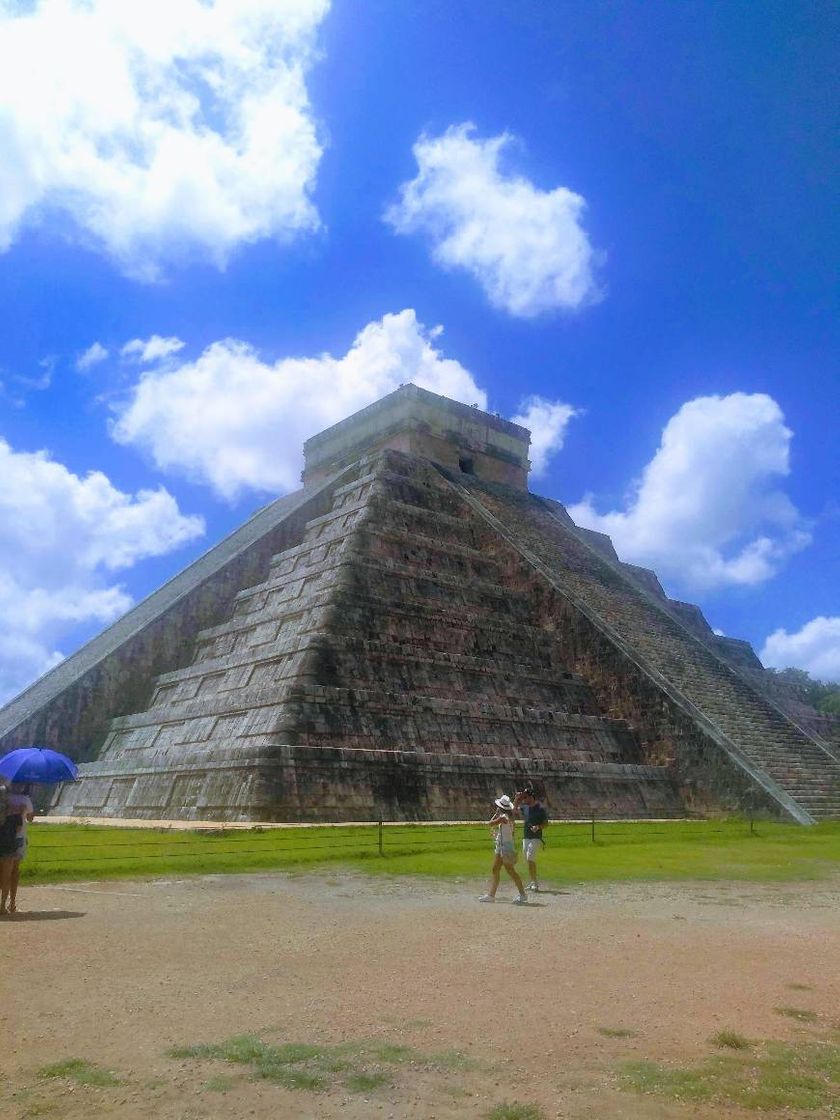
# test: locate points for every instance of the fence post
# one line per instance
(381, 852)
(593, 826)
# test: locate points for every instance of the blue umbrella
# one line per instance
(37, 764)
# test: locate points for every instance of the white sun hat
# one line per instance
(504, 802)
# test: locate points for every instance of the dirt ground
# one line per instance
(117, 973)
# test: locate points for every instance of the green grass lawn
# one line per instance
(622, 851)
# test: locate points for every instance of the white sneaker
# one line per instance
(487, 898)
(521, 901)
(533, 887)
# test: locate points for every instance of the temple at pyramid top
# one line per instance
(413, 420)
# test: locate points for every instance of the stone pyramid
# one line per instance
(406, 637)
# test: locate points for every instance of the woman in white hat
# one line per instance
(502, 823)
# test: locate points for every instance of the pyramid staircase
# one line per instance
(799, 771)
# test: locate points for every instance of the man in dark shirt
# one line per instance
(534, 819)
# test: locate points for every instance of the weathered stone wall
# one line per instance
(311, 784)
(71, 707)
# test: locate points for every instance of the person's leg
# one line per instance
(5, 881)
(514, 874)
(495, 871)
(13, 885)
(532, 873)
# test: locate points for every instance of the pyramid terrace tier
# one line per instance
(355, 662)
(379, 720)
(386, 719)
(314, 785)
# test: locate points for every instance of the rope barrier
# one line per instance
(382, 839)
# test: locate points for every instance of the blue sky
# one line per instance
(224, 226)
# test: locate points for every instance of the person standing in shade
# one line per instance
(534, 820)
(502, 822)
(21, 810)
(8, 844)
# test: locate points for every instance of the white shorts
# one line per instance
(507, 852)
(532, 849)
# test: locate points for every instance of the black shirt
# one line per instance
(534, 817)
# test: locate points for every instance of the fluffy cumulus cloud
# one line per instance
(815, 648)
(708, 511)
(525, 246)
(547, 421)
(162, 131)
(62, 538)
(236, 422)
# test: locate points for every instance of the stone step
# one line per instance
(393, 580)
(437, 526)
(415, 653)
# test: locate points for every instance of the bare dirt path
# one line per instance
(118, 973)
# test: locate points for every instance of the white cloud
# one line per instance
(163, 131)
(94, 354)
(60, 537)
(152, 349)
(815, 648)
(526, 247)
(237, 423)
(707, 511)
(40, 381)
(547, 421)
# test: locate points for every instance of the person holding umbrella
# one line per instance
(22, 767)
(21, 811)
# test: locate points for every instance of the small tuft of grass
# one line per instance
(300, 1065)
(730, 1040)
(80, 1071)
(219, 1084)
(392, 1053)
(515, 1112)
(617, 1032)
(776, 1076)
(365, 1082)
(454, 1061)
(800, 987)
(798, 1013)
(290, 1077)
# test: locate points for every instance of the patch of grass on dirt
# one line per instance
(220, 1084)
(516, 1112)
(800, 987)
(803, 1075)
(730, 1040)
(798, 1013)
(616, 1032)
(300, 1065)
(365, 1082)
(624, 850)
(80, 1071)
(453, 1061)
